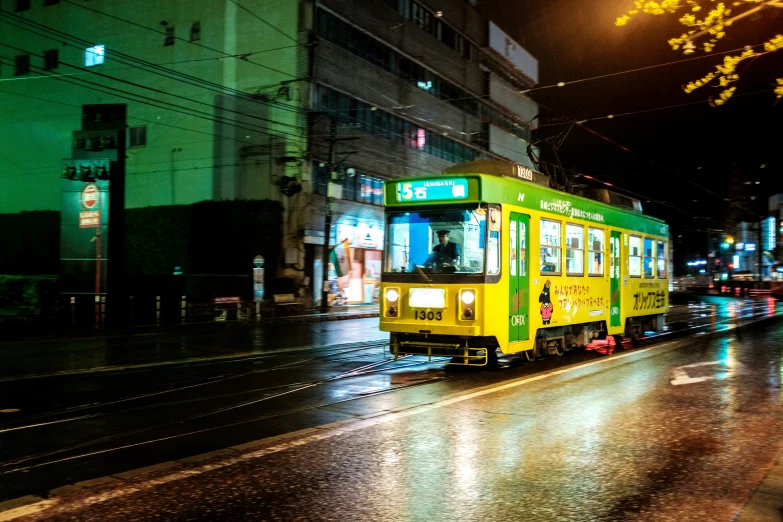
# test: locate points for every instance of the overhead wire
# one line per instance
(196, 43)
(153, 103)
(143, 65)
(146, 87)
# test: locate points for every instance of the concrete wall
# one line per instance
(38, 114)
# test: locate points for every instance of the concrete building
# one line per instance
(243, 100)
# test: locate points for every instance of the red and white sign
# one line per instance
(90, 196)
(90, 219)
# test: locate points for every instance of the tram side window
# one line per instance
(649, 257)
(575, 250)
(493, 252)
(662, 259)
(595, 255)
(550, 247)
(635, 257)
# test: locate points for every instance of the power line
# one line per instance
(654, 109)
(154, 103)
(23, 78)
(667, 169)
(251, 13)
(143, 65)
(563, 84)
(158, 91)
(175, 37)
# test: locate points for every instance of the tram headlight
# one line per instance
(467, 304)
(391, 297)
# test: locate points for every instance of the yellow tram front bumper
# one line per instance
(461, 355)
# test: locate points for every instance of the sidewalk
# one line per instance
(57, 352)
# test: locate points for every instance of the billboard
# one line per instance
(506, 47)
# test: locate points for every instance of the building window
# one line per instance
(595, 247)
(359, 43)
(195, 31)
(649, 257)
(375, 121)
(94, 55)
(550, 247)
(169, 36)
(22, 65)
(662, 259)
(575, 250)
(22, 5)
(635, 257)
(137, 136)
(51, 59)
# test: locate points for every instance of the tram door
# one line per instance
(519, 233)
(614, 278)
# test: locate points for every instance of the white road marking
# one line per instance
(681, 376)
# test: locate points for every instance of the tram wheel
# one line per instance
(559, 350)
(529, 355)
(618, 342)
(492, 359)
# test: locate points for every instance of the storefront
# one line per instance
(365, 239)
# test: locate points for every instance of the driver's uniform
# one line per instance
(450, 249)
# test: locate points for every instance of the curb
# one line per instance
(131, 331)
(763, 493)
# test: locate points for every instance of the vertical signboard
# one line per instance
(92, 199)
(258, 279)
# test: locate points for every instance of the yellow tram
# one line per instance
(488, 258)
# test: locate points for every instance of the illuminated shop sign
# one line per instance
(453, 189)
(768, 233)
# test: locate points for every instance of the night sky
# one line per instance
(691, 157)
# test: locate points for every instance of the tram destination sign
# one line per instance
(445, 189)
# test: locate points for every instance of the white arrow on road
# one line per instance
(681, 375)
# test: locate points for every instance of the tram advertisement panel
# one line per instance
(518, 278)
(614, 272)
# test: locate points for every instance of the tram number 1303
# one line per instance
(424, 315)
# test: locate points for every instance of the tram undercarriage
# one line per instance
(482, 351)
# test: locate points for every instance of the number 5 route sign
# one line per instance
(447, 189)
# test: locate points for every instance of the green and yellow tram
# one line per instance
(461, 277)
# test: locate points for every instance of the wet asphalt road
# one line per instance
(613, 441)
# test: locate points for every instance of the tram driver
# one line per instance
(445, 247)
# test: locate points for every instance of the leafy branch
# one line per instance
(713, 26)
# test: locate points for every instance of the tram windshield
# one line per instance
(441, 242)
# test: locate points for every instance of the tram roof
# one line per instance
(480, 187)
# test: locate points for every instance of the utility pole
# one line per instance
(328, 218)
(333, 139)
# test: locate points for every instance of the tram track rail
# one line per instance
(216, 379)
(7, 467)
(60, 455)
